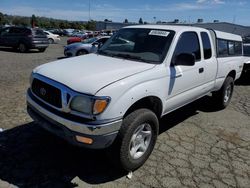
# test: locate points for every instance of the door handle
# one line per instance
(178, 75)
(201, 70)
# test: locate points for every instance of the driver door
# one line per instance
(186, 81)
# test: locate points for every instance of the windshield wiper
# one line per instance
(127, 56)
(101, 52)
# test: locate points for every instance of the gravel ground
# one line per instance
(197, 146)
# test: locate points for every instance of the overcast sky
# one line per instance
(236, 11)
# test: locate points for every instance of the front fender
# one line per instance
(124, 95)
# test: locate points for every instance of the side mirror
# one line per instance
(185, 59)
(95, 43)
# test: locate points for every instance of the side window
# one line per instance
(222, 47)
(102, 40)
(189, 44)
(230, 47)
(15, 30)
(206, 45)
(5, 31)
(238, 48)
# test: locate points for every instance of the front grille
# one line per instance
(46, 92)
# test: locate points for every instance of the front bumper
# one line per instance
(102, 134)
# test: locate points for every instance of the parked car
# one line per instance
(119, 94)
(57, 32)
(23, 38)
(52, 38)
(87, 46)
(68, 32)
(80, 35)
(73, 40)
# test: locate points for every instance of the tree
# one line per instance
(1, 18)
(140, 21)
(33, 21)
(125, 21)
(90, 25)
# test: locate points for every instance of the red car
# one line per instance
(73, 40)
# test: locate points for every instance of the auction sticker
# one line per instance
(159, 33)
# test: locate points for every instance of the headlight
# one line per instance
(89, 105)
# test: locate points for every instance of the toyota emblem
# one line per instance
(43, 91)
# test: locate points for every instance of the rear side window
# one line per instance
(238, 48)
(15, 30)
(222, 47)
(246, 50)
(230, 48)
(206, 45)
(188, 43)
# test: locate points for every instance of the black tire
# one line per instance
(42, 49)
(22, 47)
(223, 97)
(130, 124)
(51, 41)
(81, 52)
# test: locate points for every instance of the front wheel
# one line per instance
(224, 95)
(81, 52)
(137, 136)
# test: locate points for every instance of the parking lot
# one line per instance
(197, 146)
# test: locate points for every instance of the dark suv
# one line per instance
(23, 38)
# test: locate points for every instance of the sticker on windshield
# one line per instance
(159, 33)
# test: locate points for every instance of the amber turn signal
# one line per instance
(84, 139)
(100, 106)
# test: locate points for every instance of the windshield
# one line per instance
(90, 40)
(246, 50)
(146, 45)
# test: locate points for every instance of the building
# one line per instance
(101, 25)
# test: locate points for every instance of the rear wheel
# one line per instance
(81, 52)
(137, 138)
(42, 49)
(22, 47)
(51, 41)
(224, 95)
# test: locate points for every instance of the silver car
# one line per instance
(87, 46)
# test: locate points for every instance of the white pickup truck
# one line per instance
(118, 95)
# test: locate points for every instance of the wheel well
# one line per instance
(232, 74)
(152, 103)
(82, 50)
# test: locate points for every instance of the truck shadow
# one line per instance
(12, 50)
(244, 80)
(32, 157)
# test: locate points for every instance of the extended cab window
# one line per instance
(188, 44)
(206, 45)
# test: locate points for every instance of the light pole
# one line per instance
(89, 10)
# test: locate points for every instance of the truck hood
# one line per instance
(89, 73)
